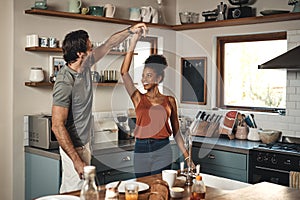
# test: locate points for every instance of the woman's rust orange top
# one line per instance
(152, 121)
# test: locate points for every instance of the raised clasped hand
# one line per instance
(140, 28)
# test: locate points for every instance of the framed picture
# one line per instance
(55, 64)
(193, 80)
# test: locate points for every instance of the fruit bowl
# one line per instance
(269, 136)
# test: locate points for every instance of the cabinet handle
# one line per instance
(211, 156)
(127, 158)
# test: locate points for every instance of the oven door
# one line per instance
(260, 174)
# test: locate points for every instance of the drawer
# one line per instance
(226, 172)
(222, 158)
(113, 160)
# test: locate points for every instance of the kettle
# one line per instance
(221, 11)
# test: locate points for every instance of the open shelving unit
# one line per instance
(48, 49)
(201, 25)
(48, 84)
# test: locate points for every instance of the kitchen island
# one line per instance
(114, 161)
(260, 191)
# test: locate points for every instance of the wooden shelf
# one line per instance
(48, 49)
(43, 49)
(201, 25)
(89, 17)
(38, 84)
(240, 21)
(48, 84)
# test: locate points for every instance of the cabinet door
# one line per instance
(221, 163)
(105, 162)
(120, 174)
(42, 176)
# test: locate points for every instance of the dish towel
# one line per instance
(295, 179)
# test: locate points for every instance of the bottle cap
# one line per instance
(198, 178)
(89, 169)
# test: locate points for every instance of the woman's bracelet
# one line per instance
(130, 31)
(187, 158)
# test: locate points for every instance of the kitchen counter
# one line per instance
(237, 146)
(224, 144)
(54, 154)
(261, 191)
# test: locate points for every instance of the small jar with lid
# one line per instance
(36, 74)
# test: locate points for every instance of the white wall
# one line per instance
(6, 99)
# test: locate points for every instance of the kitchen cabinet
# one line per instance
(222, 163)
(113, 166)
(119, 165)
(201, 25)
(42, 175)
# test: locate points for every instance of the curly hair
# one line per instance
(158, 63)
(74, 42)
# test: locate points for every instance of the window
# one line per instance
(241, 85)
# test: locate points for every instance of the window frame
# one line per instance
(221, 41)
(153, 43)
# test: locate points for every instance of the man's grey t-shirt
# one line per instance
(74, 91)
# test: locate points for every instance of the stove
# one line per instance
(274, 162)
(284, 148)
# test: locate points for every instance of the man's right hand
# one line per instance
(79, 167)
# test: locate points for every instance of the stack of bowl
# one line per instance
(189, 17)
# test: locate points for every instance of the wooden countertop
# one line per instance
(260, 191)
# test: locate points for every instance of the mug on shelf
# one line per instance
(74, 6)
(109, 10)
(43, 42)
(135, 14)
(146, 13)
(85, 10)
(96, 10)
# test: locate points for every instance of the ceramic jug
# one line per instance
(146, 13)
(253, 134)
(109, 10)
(74, 6)
(154, 16)
(135, 14)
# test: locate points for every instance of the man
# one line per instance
(72, 101)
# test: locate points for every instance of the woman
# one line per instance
(153, 112)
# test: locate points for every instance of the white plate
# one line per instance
(59, 197)
(121, 188)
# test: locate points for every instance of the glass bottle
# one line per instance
(89, 189)
(198, 189)
(161, 15)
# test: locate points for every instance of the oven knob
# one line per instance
(266, 158)
(274, 160)
(259, 158)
